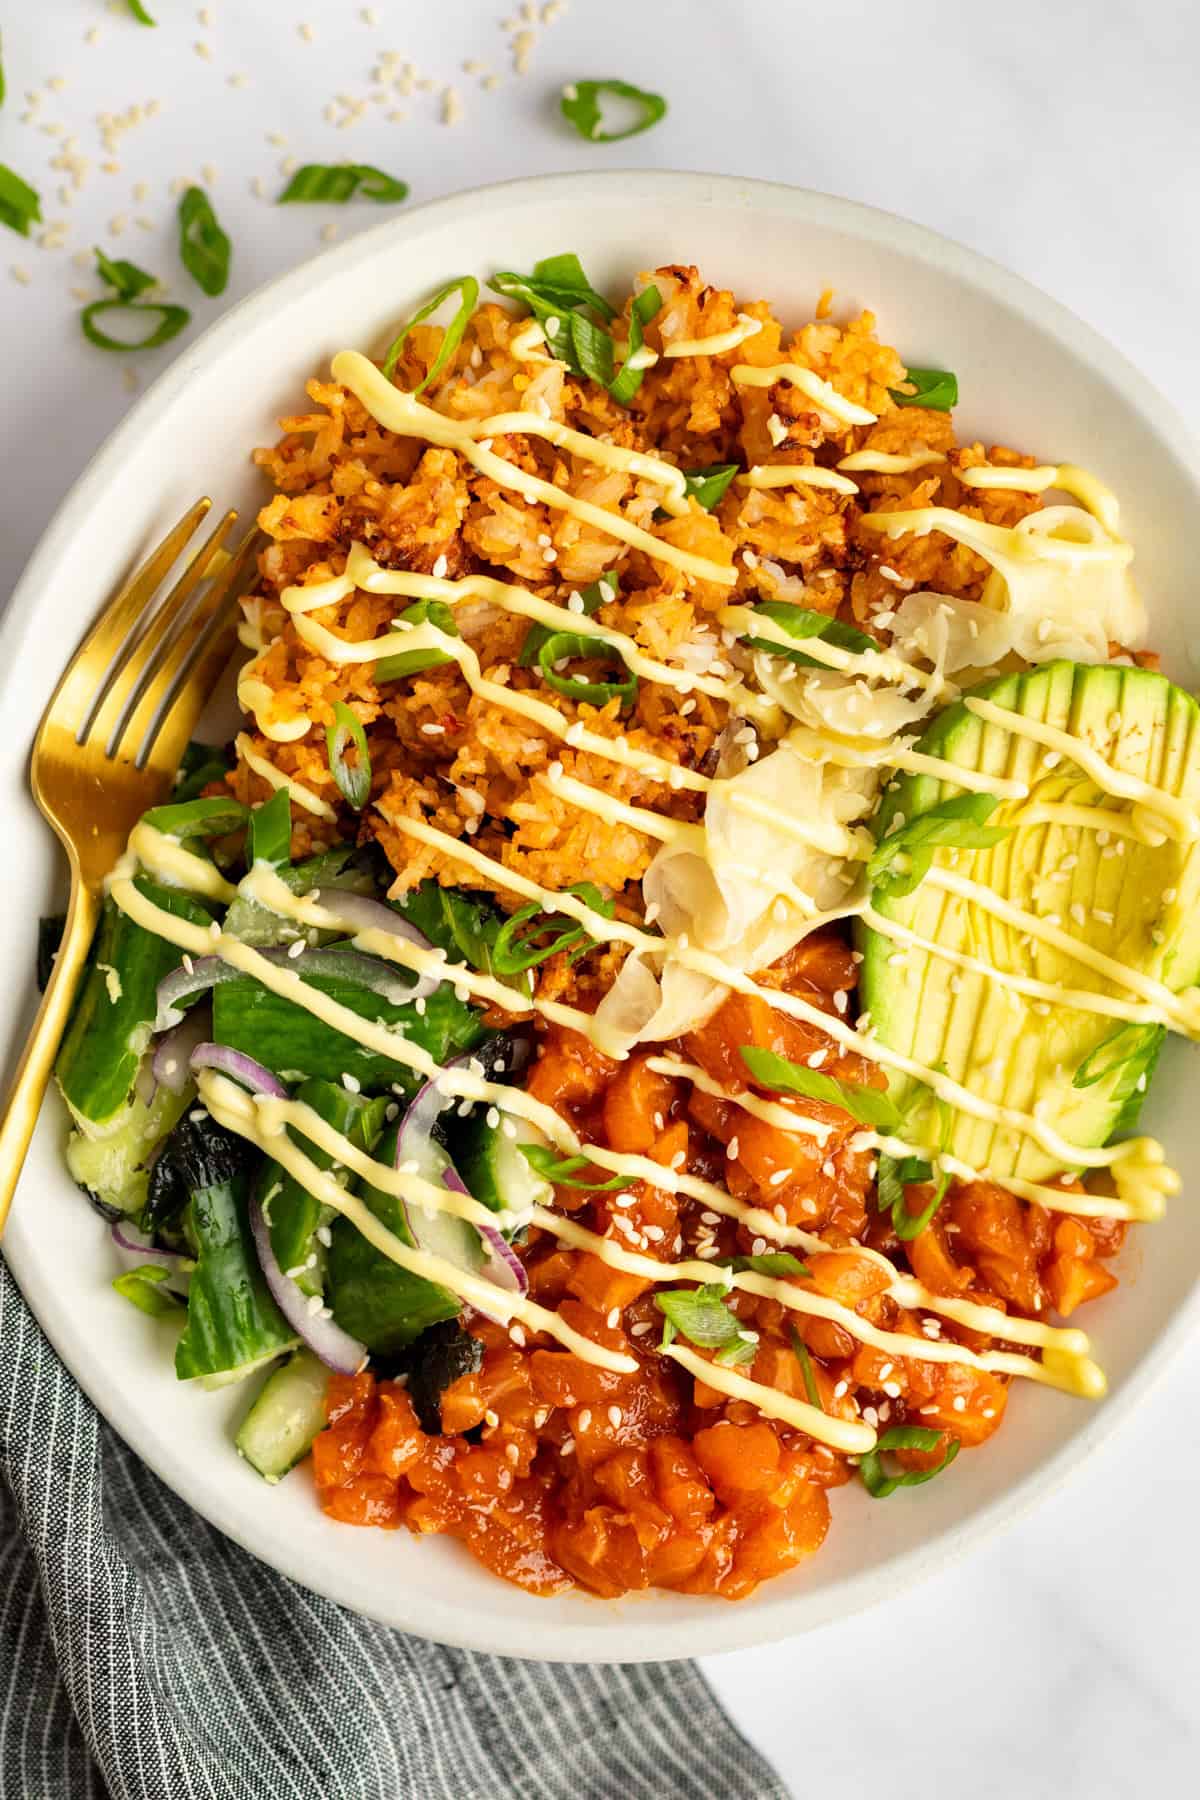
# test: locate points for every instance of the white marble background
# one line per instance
(1062, 139)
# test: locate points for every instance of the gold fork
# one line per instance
(108, 747)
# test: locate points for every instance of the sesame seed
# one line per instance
(959, 1403)
(615, 1415)
(585, 1418)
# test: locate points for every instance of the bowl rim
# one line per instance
(737, 1629)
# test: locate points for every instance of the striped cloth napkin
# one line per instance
(144, 1656)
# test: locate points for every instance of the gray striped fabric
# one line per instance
(144, 1656)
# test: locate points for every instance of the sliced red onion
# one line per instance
(503, 1265)
(326, 1339)
(171, 1057)
(415, 1143)
(209, 971)
(241, 1067)
(359, 912)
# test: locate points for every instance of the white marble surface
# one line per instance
(1063, 141)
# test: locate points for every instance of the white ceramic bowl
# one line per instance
(1031, 375)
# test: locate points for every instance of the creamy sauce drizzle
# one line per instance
(301, 795)
(1142, 1176)
(399, 412)
(826, 398)
(718, 343)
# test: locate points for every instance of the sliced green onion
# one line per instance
(802, 622)
(563, 1170)
(956, 824)
(870, 1106)
(895, 1176)
(700, 1315)
(517, 949)
(334, 183)
(124, 277)
(1127, 1044)
(800, 1349)
(129, 281)
(415, 662)
(594, 596)
(581, 108)
(772, 1262)
(140, 14)
(557, 286)
(563, 646)
(204, 249)
(468, 287)
(269, 835)
(19, 204)
(937, 390)
(625, 384)
(200, 764)
(143, 1288)
(708, 486)
(875, 1479)
(203, 818)
(2, 85)
(353, 780)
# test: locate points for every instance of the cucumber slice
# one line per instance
(1139, 904)
(110, 1026)
(489, 1159)
(286, 1417)
(115, 1168)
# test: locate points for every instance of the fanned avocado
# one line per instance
(1138, 902)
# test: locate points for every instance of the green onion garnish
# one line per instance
(2, 86)
(895, 1176)
(468, 287)
(565, 646)
(594, 596)
(800, 1349)
(19, 205)
(708, 486)
(870, 1106)
(353, 780)
(562, 1170)
(937, 390)
(204, 249)
(581, 107)
(335, 183)
(129, 281)
(802, 622)
(140, 14)
(269, 834)
(517, 948)
(203, 818)
(554, 293)
(625, 384)
(415, 662)
(956, 824)
(1127, 1044)
(879, 1484)
(142, 1287)
(701, 1315)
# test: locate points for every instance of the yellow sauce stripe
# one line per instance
(776, 475)
(883, 664)
(1119, 782)
(827, 398)
(842, 1434)
(705, 963)
(886, 462)
(249, 1115)
(718, 342)
(406, 417)
(178, 867)
(362, 571)
(297, 792)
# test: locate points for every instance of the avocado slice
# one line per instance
(1108, 889)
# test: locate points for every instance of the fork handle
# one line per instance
(25, 1100)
